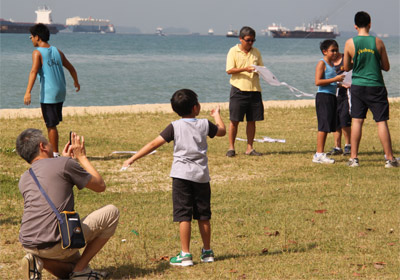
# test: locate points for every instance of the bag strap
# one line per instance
(46, 196)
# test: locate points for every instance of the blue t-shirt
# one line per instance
(330, 72)
(51, 74)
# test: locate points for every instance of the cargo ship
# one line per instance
(92, 25)
(316, 29)
(43, 15)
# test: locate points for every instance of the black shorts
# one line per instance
(373, 98)
(247, 103)
(343, 109)
(52, 113)
(325, 106)
(190, 199)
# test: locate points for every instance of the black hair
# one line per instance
(362, 19)
(40, 30)
(246, 31)
(183, 100)
(324, 45)
(28, 142)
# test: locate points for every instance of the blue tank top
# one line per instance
(330, 72)
(51, 74)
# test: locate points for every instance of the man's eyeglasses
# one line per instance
(249, 40)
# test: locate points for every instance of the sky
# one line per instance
(220, 15)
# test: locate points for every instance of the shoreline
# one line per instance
(148, 108)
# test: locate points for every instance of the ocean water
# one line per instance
(125, 69)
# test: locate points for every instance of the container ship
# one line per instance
(313, 30)
(43, 15)
(78, 24)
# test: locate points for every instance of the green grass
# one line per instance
(278, 216)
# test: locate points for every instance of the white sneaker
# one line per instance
(322, 159)
(32, 267)
(353, 162)
(392, 163)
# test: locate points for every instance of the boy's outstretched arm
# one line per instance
(215, 113)
(71, 70)
(147, 149)
(36, 64)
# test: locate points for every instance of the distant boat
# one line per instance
(315, 29)
(78, 24)
(43, 15)
(210, 31)
(159, 32)
(232, 33)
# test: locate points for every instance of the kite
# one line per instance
(270, 78)
(265, 139)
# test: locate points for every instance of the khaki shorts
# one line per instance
(101, 223)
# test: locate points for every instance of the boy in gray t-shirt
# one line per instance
(191, 180)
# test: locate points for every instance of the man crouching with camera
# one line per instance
(39, 233)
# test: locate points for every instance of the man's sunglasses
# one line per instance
(249, 40)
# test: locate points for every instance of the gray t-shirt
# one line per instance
(57, 176)
(190, 148)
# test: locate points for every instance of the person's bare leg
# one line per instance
(185, 229)
(92, 248)
(337, 135)
(233, 128)
(356, 133)
(347, 134)
(384, 137)
(205, 232)
(321, 139)
(251, 132)
(52, 133)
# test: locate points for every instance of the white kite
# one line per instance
(270, 78)
(265, 139)
(130, 152)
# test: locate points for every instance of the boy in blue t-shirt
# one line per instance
(325, 101)
(48, 63)
(190, 175)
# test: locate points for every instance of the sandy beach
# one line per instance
(141, 108)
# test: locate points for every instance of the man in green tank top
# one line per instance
(367, 56)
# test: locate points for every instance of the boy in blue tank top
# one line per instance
(325, 101)
(367, 56)
(48, 62)
(191, 191)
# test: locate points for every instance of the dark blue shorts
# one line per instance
(190, 199)
(325, 106)
(373, 98)
(343, 109)
(247, 103)
(52, 113)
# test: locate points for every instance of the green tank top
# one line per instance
(366, 62)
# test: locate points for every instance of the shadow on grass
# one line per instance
(109, 157)
(10, 221)
(297, 249)
(131, 271)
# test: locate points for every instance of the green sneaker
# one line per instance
(180, 260)
(207, 256)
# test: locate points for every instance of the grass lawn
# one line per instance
(278, 216)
